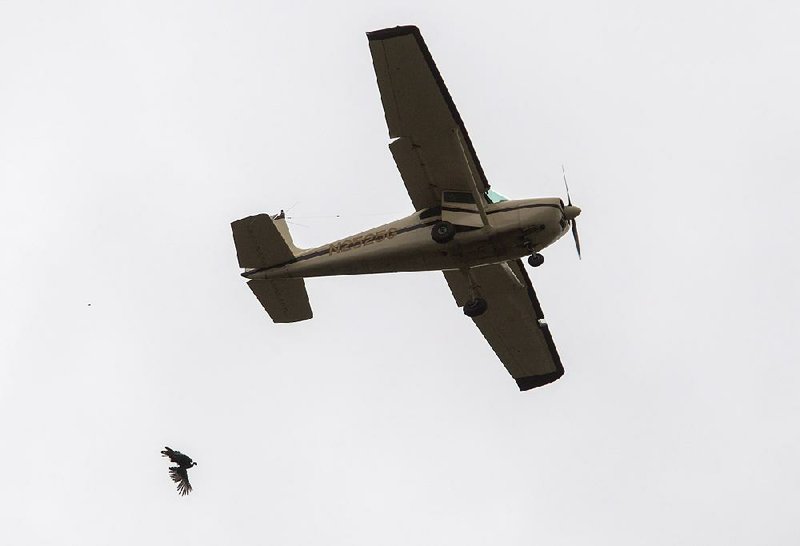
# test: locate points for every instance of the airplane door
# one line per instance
(459, 208)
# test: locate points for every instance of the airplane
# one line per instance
(460, 226)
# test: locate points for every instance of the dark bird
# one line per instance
(179, 474)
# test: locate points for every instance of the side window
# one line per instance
(458, 197)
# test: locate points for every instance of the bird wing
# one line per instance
(181, 477)
(169, 452)
(177, 457)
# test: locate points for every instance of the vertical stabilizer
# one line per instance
(283, 229)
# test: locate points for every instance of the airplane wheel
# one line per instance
(535, 260)
(443, 232)
(476, 307)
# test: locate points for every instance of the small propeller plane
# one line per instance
(461, 227)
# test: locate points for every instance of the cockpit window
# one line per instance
(495, 197)
(458, 197)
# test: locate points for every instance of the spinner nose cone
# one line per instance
(571, 212)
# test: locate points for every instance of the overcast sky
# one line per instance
(133, 133)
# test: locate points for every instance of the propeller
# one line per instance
(564, 174)
(575, 236)
(571, 213)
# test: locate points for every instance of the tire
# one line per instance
(535, 260)
(443, 232)
(476, 307)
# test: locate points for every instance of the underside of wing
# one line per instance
(432, 150)
(513, 323)
(181, 477)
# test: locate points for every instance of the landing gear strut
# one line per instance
(535, 259)
(475, 305)
(443, 232)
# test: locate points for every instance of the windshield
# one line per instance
(495, 197)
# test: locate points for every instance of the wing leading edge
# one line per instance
(422, 117)
(514, 323)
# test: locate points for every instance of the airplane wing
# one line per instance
(514, 323)
(432, 150)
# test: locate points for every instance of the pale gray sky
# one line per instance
(133, 133)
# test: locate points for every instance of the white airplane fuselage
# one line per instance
(516, 228)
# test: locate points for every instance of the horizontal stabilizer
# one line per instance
(260, 243)
(286, 300)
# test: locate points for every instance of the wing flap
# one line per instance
(421, 188)
(514, 323)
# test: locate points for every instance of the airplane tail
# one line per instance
(264, 241)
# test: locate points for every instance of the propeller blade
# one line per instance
(575, 236)
(564, 173)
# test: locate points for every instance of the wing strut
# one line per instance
(473, 186)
